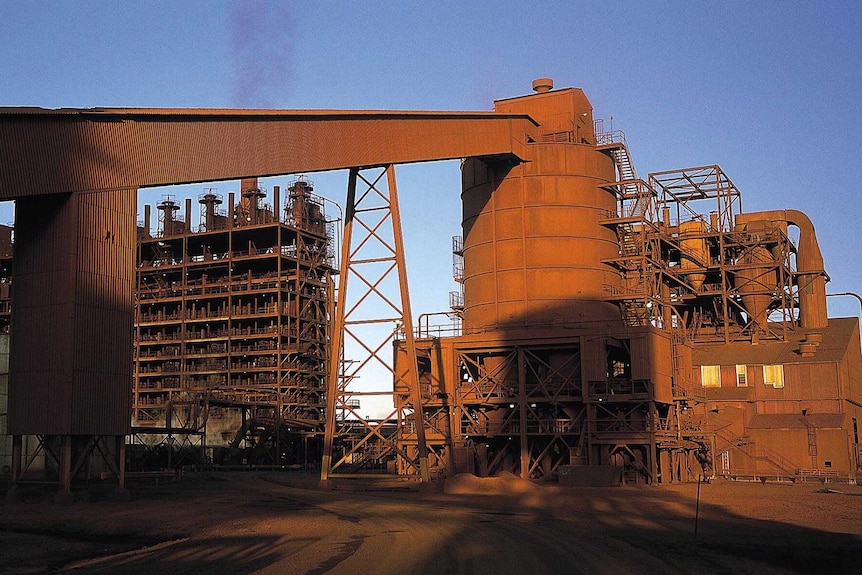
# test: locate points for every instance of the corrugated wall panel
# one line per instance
(75, 276)
(104, 313)
(124, 150)
(641, 362)
(41, 342)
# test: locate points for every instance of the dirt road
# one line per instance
(278, 523)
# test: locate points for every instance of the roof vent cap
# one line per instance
(542, 85)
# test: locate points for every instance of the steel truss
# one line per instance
(71, 459)
(686, 266)
(517, 409)
(368, 320)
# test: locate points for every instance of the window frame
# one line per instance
(741, 372)
(777, 368)
(711, 374)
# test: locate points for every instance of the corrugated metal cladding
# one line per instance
(72, 319)
(55, 153)
(40, 362)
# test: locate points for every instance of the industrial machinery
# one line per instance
(612, 328)
(621, 329)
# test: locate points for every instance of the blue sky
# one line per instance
(768, 90)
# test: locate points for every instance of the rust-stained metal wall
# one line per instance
(803, 429)
(46, 151)
(533, 245)
(71, 326)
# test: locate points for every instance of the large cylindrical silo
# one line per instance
(533, 243)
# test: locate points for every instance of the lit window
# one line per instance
(773, 375)
(741, 376)
(710, 376)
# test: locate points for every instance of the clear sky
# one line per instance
(768, 90)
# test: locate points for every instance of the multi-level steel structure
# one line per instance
(612, 326)
(232, 316)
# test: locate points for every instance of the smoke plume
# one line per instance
(261, 41)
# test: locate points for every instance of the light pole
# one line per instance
(848, 293)
(851, 294)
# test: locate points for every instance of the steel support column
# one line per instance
(367, 323)
(522, 415)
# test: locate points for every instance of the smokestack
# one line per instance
(209, 202)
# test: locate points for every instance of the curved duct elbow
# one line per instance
(811, 275)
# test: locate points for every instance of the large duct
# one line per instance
(811, 275)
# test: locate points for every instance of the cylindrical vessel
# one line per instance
(533, 243)
(757, 283)
(694, 251)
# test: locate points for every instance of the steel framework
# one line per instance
(235, 314)
(373, 255)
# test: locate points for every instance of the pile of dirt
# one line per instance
(504, 483)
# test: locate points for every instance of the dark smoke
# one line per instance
(261, 41)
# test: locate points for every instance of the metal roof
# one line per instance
(836, 339)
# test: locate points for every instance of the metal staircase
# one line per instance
(745, 445)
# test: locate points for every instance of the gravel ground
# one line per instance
(281, 523)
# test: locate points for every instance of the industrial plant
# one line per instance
(607, 327)
(644, 329)
(232, 320)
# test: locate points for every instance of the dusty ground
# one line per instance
(278, 523)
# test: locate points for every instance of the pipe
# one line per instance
(809, 264)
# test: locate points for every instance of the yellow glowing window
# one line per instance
(773, 375)
(741, 376)
(710, 376)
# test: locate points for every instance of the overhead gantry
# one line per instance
(74, 174)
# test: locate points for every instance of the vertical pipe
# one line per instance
(188, 215)
(230, 208)
(280, 325)
(121, 464)
(697, 507)
(147, 219)
(276, 200)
